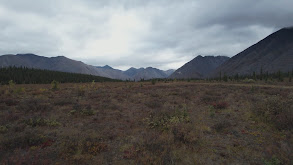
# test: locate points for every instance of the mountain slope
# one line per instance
(64, 64)
(149, 73)
(169, 72)
(59, 63)
(199, 67)
(131, 72)
(272, 54)
(115, 73)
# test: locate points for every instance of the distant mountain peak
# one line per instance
(289, 27)
(61, 56)
(105, 67)
(199, 67)
(26, 54)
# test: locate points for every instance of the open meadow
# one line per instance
(146, 123)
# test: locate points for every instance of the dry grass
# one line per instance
(145, 123)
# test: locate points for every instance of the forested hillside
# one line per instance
(22, 75)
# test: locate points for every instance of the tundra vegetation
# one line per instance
(166, 122)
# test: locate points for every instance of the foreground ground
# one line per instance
(142, 123)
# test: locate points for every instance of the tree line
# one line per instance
(24, 75)
(261, 76)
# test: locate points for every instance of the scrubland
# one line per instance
(146, 123)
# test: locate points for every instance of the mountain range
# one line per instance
(272, 54)
(64, 64)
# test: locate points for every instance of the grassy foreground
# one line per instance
(142, 123)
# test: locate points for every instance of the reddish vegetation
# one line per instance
(142, 123)
(220, 105)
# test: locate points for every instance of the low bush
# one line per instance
(79, 109)
(23, 141)
(11, 102)
(275, 111)
(185, 135)
(163, 120)
(19, 90)
(154, 104)
(249, 80)
(273, 161)
(54, 85)
(34, 122)
(34, 105)
(92, 146)
(208, 99)
(63, 101)
(3, 129)
(220, 105)
(81, 90)
(222, 126)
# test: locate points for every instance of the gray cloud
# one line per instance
(123, 33)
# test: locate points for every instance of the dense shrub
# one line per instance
(92, 146)
(222, 126)
(34, 122)
(275, 111)
(25, 140)
(11, 102)
(79, 109)
(164, 119)
(54, 85)
(34, 105)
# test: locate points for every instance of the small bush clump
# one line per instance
(184, 135)
(249, 81)
(28, 139)
(163, 120)
(3, 129)
(34, 105)
(220, 105)
(222, 126)
(34, 122)
(54, 85)
(10, 102)
(82, 110)
(92, 146)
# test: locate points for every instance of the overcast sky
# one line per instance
(139, 33)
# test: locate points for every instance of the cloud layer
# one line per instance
(124, 33)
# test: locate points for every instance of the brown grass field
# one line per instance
(142, 123)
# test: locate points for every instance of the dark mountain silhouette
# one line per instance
(150, 73)
(64, 64)
(169, 72)
(272, 54)
(131, 72)
(146, 73)
(59, 63)
(111, 72)
(199, 67)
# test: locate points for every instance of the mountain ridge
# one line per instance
(64, 64)
(199, 67)
(272, 54)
